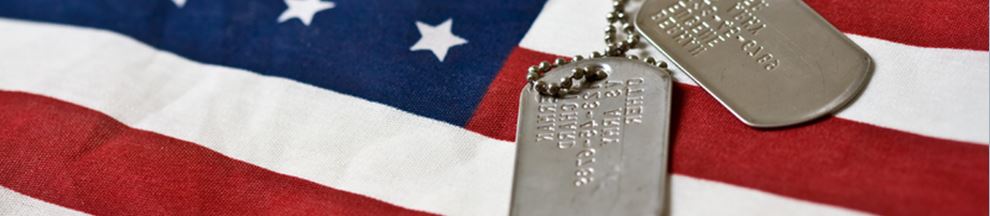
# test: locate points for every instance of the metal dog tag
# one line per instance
(601, 151)
(771, 62)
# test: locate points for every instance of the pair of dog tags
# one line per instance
(603, 150)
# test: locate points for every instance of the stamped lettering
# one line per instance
(579, 125)
(599, 151)
(699, 26)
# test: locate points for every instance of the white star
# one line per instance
(437, 38)
(303, 9)
(179, 3)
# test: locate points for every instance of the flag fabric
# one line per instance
(377, 107)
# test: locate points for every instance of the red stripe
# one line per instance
(78, 158)
(832, 161)
(960, 24)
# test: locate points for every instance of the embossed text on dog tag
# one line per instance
(601, 151)
(771, 62)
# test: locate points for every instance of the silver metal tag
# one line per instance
(771, 62)
(602, 151)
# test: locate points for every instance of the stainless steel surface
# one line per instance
(771, 62)
(602, 151)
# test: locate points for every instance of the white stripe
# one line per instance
(293, 128)
(929, 91)
(14, 203)
(692, 196)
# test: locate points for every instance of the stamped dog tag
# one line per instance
(771, 62)
(600, 151)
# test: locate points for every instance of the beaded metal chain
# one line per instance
(590, 74)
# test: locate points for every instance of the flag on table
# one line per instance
(377, 107)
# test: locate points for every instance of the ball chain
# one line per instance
(591, 74)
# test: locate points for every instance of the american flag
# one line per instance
(386, 107)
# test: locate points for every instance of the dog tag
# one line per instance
(600, 151)
(771, 62)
